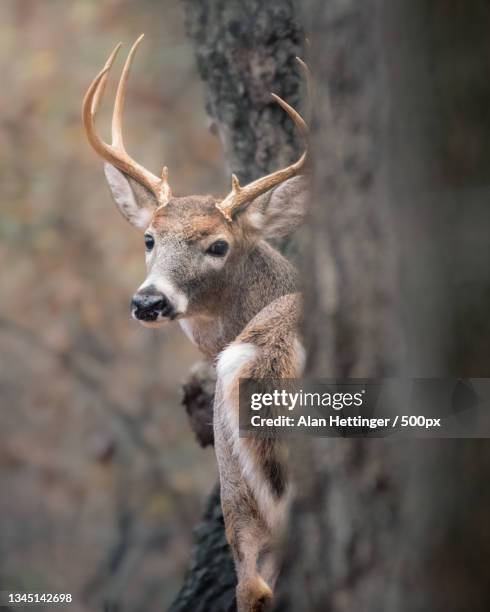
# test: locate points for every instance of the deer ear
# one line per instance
(282, 210)
(134, 202)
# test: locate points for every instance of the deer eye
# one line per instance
(218, 248)
(149, 242)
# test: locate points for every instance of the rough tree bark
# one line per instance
(347, 506)
(377, 525)
(244, 52)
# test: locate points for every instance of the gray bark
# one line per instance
(380, 525)
(347, 507)
(245, 51)
(210, 581)
(351, 260)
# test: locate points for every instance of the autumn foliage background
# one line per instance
(101, 480)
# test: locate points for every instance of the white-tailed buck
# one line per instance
(211, 268)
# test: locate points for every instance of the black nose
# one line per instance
(148, 305)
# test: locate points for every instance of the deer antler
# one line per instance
(239, 196)
(115, 153)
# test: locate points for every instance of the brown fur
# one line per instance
(254, 534)
(236, 305)
(243, 311)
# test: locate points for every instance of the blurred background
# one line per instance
(97, 461)
(101, 479)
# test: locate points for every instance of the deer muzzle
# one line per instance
(150, 306)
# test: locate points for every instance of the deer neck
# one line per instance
(259, 277)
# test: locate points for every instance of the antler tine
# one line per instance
(117, 136)
(309, 80)
(298, 120)
(239, 196)
(115, 153)
(99, 91)
(89, 111)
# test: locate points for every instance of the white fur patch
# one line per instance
(232, 360)
(300, 354)
(230, 364)
(273, 510)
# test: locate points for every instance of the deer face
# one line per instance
(192, 243)
(188, 248)
(192, 251)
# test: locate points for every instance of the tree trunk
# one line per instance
(244, 52)
(382, 525)
(347, 507)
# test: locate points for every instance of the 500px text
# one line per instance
(337, 421)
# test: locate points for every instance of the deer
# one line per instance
(211, 267)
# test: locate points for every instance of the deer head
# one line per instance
(193, 243)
